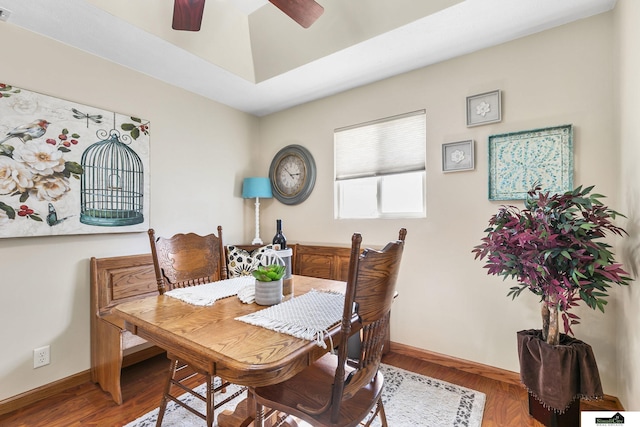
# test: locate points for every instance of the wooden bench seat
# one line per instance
(115, 280)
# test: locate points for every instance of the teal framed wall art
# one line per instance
(519, 160)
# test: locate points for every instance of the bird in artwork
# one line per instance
(52, 216)
(28, 131)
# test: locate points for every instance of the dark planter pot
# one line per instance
(557, 377)
(549, 418)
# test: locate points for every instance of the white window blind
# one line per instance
(387, 146)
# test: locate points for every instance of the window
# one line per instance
(380, 168)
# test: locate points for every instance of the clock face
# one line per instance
(293, 174)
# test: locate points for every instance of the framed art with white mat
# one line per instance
(458, 156)
(484, 108)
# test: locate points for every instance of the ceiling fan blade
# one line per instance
(187, 14)
(304, 12)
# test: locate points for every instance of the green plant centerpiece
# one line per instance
(554, 248)
(269, 273)
(268, 288)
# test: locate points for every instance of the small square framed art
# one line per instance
(484, 108)
(458, 156)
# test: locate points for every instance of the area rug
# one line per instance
(410, 400)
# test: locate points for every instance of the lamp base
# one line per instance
(257, 241)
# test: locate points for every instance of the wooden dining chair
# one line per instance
(335, 391)
(187, 259)
(181, 261)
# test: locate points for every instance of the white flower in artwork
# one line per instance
(483, 108)
(42, 158)
(14, 176)
(457, 156)
(50, 187)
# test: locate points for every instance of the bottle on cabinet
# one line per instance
(285, 253)
(279, 238)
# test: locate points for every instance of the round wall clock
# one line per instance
(292, 174)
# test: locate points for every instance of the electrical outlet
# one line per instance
(41, 356)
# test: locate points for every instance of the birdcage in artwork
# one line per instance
(112, 186)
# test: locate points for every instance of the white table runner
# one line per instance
(208, 293)
(308, 316)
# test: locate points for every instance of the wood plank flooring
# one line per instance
(87, 405)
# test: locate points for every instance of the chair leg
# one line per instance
(167, 389)
(382, 414)
(210, 402)
(259, 422)
(378, 411)
(176, 378)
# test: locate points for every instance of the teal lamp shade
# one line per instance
(256, 187)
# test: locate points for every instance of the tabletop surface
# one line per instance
(210, 338)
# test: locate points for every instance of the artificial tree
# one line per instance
(554, 248)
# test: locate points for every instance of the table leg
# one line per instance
(244, 414)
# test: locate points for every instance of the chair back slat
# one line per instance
(187, 259)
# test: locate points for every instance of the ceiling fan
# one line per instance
(187, 14)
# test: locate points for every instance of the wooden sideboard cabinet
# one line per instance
(326, 262)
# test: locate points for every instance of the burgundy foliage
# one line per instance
(554, 248)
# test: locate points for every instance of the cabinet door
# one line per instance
(325, 262)
(315, 265)
(342, 267)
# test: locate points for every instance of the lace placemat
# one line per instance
(308, 316)
(208, 293)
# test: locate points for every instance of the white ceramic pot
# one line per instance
(268, 293)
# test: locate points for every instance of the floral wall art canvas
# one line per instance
(68, 168)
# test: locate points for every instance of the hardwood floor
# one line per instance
(88, 405)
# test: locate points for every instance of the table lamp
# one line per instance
(256, 187)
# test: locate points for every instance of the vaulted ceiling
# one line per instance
(252, 57)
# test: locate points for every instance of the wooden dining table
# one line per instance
(211, 339)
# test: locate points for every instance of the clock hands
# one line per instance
(291, 174)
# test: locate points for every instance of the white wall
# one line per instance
(198, 155)
(627, 16)
(447, 303)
